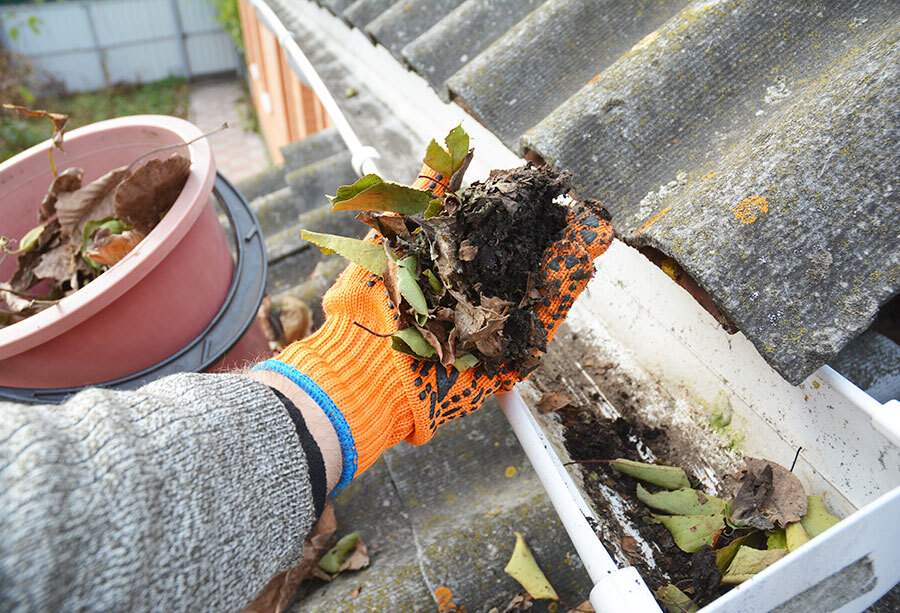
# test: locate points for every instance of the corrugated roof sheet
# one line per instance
(755, 142)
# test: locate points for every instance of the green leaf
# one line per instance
(457, 142)
(421, 319)
(14, 33)
(726, 554)
(691, 532)
(372, 193)
(368, 255)
(34, 23)
(465, 362)
(795, 535)
(674, 600)
(409, 287)
(434, 209)
(438, 159)
(817, 520)
(411, 342)
(669, 477)
(30, 240)
(346, 192)
(684, 501)
(523, 568)
(748, 561)
(776, 539)
(436, 286)
(331, 561)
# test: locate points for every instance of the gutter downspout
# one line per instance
(615, 589)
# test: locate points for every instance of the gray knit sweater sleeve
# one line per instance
(188, 494)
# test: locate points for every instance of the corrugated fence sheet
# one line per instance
(90, 45)
(754, 142)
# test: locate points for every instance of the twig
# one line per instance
(356, 323)
(796, 457)
(27, 295)
(588, 462)
(175, 146)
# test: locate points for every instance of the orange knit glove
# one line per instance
(375, 396)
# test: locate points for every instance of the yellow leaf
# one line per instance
(523, 568)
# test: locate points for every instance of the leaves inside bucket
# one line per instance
(82, 230)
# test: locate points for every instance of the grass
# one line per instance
(167, 97)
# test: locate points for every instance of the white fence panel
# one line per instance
(92, 44)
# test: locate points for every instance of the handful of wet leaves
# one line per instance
(84, 229)
(460, 266)
(768, 516)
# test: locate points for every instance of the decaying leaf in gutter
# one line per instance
(674, 600)
(684, 501)
(691, 532)
(553, 401)
(817, 520)
(795, 536)
(726, 554)
(748, 561)
(767, 494)
(669, 477)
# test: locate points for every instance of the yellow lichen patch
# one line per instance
(510, 472)
(671, 268)
(646, 41)
(749, 209)
(709, 176)
(653, 220)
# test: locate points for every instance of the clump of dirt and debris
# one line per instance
(489, 246)
(464, 269)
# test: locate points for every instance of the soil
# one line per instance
(607, 418)
(489, 243)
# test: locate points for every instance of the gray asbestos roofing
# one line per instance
(755, 142)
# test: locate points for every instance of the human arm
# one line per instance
(190, 493)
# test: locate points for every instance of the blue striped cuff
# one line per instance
(345, 437)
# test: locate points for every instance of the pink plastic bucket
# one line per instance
(154, 301)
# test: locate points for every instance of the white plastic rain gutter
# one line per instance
(857, 560)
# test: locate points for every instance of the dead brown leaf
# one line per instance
(107, 249)
(355, 593)
(767, 494)
(520, 602)
(59, 120)
(389, 225)
(93, 201)
(631, 546)
(584, 607)
(16, 304)
(295, 318)
(467, 251)
(553, 401)
(433, 341)
(58, 263)
(279, 592)
(358, 558)
(150, 191)
(390, 276)
(68, 180)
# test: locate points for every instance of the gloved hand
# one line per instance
(375, 396)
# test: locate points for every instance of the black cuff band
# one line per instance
(314, 459)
